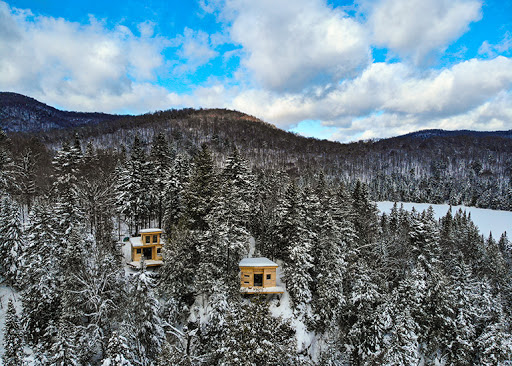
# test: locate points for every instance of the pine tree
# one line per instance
(254, 337)
(201, 190)
(161, 161)
(145, 321)
(41, 274)
(11, 241)
(63, 350)
(118, 352)
(13, 341)
(295, 246)
(176, 179)
(365, 215)
(328, 274)
(65, 189)
(132, 187)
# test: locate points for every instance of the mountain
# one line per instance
(436, 166)
(19, 113)
(426, 134)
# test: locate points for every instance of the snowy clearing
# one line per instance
(494, 221)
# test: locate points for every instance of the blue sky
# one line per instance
(338, 70)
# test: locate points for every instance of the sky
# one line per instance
(337, 70)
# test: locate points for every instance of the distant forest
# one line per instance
(455, 167)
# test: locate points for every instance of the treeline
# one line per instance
(394, 289)
(441, 167)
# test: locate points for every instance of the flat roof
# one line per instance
(151, 230)
(136, 241)
(257, 262)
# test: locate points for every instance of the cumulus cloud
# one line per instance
(396, 98)
(290, 45)
(70, 64)
(416, 29)
(196, 49)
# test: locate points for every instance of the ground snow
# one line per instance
(488, 221)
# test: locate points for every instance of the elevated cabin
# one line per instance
(258, 275)
(149, 245)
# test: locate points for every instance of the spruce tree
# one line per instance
(145, 321)
(118, 352)
(41, 275)
(11, 241)
(13, 340)
(160, 163)
(201, 190)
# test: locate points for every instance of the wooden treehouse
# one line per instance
(147, 245)
(258, 276)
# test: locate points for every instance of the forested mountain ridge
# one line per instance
(436, 166)
(19, 113)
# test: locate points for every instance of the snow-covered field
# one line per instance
(494, 221)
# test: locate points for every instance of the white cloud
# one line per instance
(57, 61)
(196, 49)
(503, 47)
(290, 45)
(392, 98)
(417, 28)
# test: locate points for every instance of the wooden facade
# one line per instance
(259, 275)
(148, 244)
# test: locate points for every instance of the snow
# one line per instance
(487, 220)
(149, 263)
(150, 230)
(136, 241)
(262, 290)
(257, 262)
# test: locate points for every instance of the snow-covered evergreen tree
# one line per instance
(118, 352)
(176, 179)
(11, 241)
(63, 351)
(160, 158)
(253, 337)
(133, 188)
(41, 275)
(145, 321)
(295, 248)
(13, 339)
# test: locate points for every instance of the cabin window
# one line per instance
(139, 251)
(147, 239)
(246, 275)
(155, 239)
(246, 282)
(159, 251)
(269, 276)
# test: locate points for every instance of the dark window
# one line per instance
(155, 239)
(139, 251)
(148, 253)
(246, 282)
(246, 275)
(258, 280)
(269, 277)
(147, 239)
(158, 251)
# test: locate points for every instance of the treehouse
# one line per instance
(258, 276)
(147, 245)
